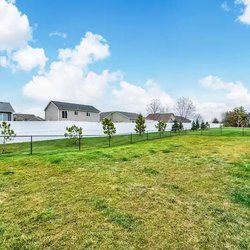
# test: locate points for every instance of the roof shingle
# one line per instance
(6, 107)
(74, 106)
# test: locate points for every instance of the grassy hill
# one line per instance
(179, 192)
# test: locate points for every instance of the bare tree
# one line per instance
(154, 107)
(185, 107)
(198, 117)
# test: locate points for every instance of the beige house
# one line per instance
(63, 111)
(119, 116)
(167, 117)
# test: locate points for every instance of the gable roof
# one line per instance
(166, 117)
(74, 107)
(27, 117)
(6, 107)
(129, 115)
(182, 119)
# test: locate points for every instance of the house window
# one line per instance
(64, 114)
(76, 112)
(4, 117)
(88, 114)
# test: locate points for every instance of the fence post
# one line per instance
(131, 138)
(201, 131)
(31, 145)
(147, 135)
(185, 131)
(243, 132)
(79, 143)
(220, 130)
(109, 141)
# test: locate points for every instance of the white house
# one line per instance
(6, 111)
(119, 116)
(63, 111)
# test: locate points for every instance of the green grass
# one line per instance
(178, 192)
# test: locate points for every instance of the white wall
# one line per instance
(89, 128)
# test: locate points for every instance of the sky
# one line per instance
(122, 54)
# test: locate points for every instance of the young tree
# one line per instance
(175, 126)
(108, 128)
(197, 124)
(185, 107)
(140, 125)
(207, 125)
(203, 125)
(161, 126)
(7, 134)
(73, 133)
(193, 127)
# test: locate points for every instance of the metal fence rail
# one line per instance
(48, 143)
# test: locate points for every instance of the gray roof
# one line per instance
(26, 117)
(166, 117)
(129, 115)
(74, 106)
(182, 119)
(6, 107)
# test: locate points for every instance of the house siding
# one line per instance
(82, 116)
(52, 113)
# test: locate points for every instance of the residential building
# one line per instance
(63, 111)
(6, 111)
(167, 117)
(119, 116)
(26, 117)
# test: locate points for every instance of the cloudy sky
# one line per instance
(121, 54)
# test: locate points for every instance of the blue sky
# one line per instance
(161, 49)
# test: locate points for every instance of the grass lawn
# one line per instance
(179, 192)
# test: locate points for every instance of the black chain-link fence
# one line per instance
(35, 144)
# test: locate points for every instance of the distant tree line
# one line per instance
(238, 117)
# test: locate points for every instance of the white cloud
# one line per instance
(26, 59)
(135, 98)
(15, 31)
(225, 6)
(236, 91)
(58, 34)
(15, 34)
(69, 79)
(92, 48)
(210, 110)
(245, 17)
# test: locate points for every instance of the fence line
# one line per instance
(119, 139)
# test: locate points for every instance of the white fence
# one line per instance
(89, 128)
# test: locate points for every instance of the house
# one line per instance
(63, 111)
(119, 116)
(6, 111)
(182, 119)
(166, 117)
(26, 117)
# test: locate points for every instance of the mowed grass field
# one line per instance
(179, 192)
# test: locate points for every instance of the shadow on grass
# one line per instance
(126, 221)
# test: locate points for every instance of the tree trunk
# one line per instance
(3, 149)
